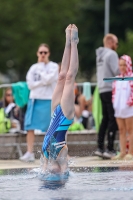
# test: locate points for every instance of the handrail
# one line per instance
(9, 85)
(5, 85)
(92, 84)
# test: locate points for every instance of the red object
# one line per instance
(129, 72)
(127, 146)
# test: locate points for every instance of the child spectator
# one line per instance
(80, 102)
(122, 97)
(11, 110)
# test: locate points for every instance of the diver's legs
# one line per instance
(64, 92)
(67, 100)
(64, 68)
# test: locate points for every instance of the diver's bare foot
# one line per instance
(68, 34)
(74, 34)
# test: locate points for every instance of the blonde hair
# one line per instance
(44, 45)
(108, 37)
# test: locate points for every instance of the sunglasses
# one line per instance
(8, 95)
(45, 52)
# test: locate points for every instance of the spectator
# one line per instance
(123, 106)
(91, 123)
(41, 80)
(80, 102)
(12, 111)
(83, 110)
(107, 66)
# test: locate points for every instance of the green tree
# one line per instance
(126, 46)
(91, 27)
(91, 24)
(26, 24)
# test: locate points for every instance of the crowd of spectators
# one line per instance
(14, 118)
(116, 102)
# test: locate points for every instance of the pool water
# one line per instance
(82, 184)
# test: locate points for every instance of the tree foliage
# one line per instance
(91, 26)
(126, 46)
(26, 24)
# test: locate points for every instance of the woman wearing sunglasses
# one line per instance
(41, 79)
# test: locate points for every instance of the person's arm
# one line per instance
(16, 112)
(113, 91)
(130, 100)
(82, 102)
(33, 81)
(114, 65)
(51, 76)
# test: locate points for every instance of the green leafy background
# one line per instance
(26, 24)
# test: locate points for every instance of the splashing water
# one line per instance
(92, 184)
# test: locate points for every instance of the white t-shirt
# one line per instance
(41, 79)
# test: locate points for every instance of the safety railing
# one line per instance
(92, 84)
(5, 85)
(80, 85)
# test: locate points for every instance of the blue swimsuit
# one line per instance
(54, 139)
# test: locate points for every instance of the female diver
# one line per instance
(54, 145)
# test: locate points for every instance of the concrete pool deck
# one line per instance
(74, 162)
